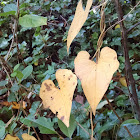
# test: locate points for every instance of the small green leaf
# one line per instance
(15, 87)
(16, 67)
(14, 74)
(19, 75)
(3, 43)
(11, 97)
(11, 127)
(3, 83)
(45, 125)
(10, 7)
(27, 72)
(32, 21)
(129, 122)
(34, 107)
(68, 131)
(2, 129)
(2, 91)
(8, 13)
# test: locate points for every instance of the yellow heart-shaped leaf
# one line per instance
(9, 137)
(25, 136)
(78, 21)
(59, 100)
(95, 77)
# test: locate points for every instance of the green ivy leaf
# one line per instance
(11, 97)
(134, 130)
(2, 129)
(3, 83)
(27, 72)
(19, 75)
(3, 43)
(15, 87)
(45, 125)
(129, 122)
(68, 131)
(16, 67)
(10, 7)
(32, 21)
(34, 107)
(8, 13)
(2, 91)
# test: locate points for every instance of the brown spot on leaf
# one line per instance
(115, 58)
(52, 98)
(50, 84)
(62, 118)
(47, 87)
(68, 78)
(43, 90)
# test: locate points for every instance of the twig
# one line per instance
(32, 126)
(117, 115)
(66, 23)
(36, 133)
(8, 71)
(130, 29)
(7, 124)
(128, 69)
(83, 128)
(16, 28)
(12, 43)
(123, 18)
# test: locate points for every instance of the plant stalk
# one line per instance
(128, 69)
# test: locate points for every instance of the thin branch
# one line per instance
(117, 115)
(83, 128)
(130, 29)
(128, 69)
(12, 43)
(123, 18)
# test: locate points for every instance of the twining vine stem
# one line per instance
(128, 69)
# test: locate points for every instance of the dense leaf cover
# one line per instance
(33, 49)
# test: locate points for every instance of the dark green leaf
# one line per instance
(3, 83)
(16, 67)
(15, 87)
(2, 129)
(27, 72)
(8, 13)
(45, 125)
(34, 107)
(2, 91)
(134, 130)
(68, 131)
(11, 97)
(10, 7)
(129, 122)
